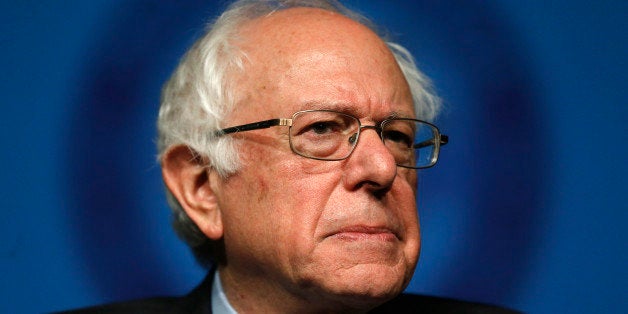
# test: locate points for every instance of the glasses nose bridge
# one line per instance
(377, 128)
(356, 137)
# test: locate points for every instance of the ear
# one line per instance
(190, 181)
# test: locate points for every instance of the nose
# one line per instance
(371, 165)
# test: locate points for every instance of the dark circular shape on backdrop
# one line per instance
(113, 132)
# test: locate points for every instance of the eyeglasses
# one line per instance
(331, 135)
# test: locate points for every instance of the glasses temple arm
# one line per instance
(444, 139)
(254, 126)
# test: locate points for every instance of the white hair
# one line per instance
(199, 94)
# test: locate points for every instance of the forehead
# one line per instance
(304, 58)
(301, 27)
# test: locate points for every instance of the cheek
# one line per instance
(287, 195)
(410, 176)
(257, 178)
(305, 196)
(404, 199)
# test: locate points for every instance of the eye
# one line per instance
(323, 127)
(397, 137)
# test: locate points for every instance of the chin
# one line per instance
(353, 276)
(367, 286)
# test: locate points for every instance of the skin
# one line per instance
(303, 235)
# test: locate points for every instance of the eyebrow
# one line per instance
(335, 106)
(347, 108)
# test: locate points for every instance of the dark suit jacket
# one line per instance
(199, 302)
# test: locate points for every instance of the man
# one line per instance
(290, 137)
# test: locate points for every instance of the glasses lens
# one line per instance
(412, 142)
(323, 134)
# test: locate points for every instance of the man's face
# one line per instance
(341, 231)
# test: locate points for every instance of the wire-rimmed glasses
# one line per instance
(332, 135)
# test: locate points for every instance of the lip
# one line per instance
(360, 232)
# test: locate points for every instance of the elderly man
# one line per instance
(290, 137)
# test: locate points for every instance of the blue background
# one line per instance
(526, 208)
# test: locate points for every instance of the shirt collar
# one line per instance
(220, 304)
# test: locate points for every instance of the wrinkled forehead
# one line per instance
(315, 43)
(296, 27)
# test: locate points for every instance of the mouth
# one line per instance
(364, 233)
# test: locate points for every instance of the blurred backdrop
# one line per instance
(526, 208)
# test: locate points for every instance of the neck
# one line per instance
(256, 293)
